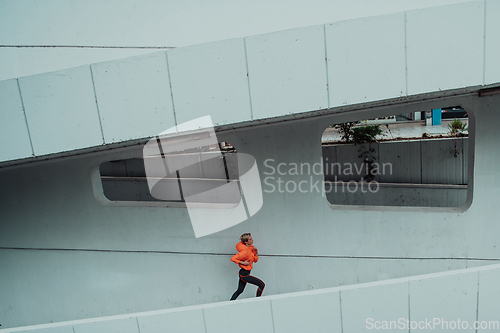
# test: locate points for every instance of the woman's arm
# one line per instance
(240, 258)
(256, 254)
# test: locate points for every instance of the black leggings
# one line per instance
(245, 278)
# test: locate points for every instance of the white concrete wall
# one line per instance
(254, 78)
(13, 130)
(65, 256)
(61, 112)
(456, 300)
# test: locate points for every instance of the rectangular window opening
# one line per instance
(192, 174)
(419, 159)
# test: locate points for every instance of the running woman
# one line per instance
(246, 256)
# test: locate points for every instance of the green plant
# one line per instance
(366, 133)
(456, 127)
(346, 130)
(455, 151)
(367, 155)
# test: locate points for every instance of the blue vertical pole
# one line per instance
(436, 117)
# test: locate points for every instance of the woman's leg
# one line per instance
(253, 280)
(241, 285)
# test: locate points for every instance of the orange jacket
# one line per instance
(245, 253)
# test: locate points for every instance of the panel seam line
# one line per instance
(248, 78)
(272, 315)
(204, 320)
(262, 255)
(340, 307)
(97, 105)
(477, 299)
(406, 52)
(484, 44)
(409, 306)
(137, 322)
(25, 117)
(326, 66)
(171, 91)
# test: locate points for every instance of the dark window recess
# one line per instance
(453, 112)
(205, 169)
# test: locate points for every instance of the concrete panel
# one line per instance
(63, 213)
(62, 286)
(329, 160)
(13, 131)
(315, 273)
(239, 316)
(405, 195)
(134, 97)
(445, 299)
(136, 189)
(351, 165)
(307, 313)
(287, 72)
(442, 40)
(400, 162)
(128, 325)
(210, 79)
(338, 168)
(61, 110)
(366, 59)
(492, 43)
(489, 300)
(439, 164)
(375, 308)
(465, 160)
(188, 321)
